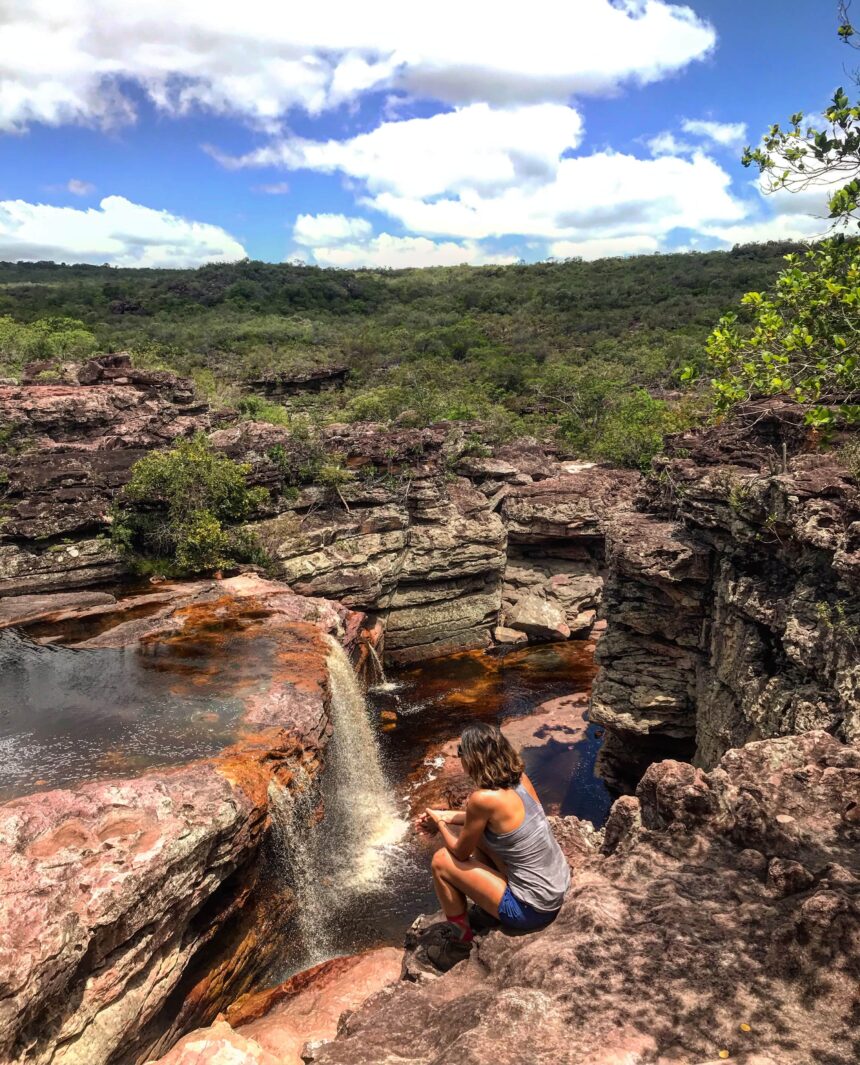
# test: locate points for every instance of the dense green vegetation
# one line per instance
(550, 347)
(804, 338)
(176, 512)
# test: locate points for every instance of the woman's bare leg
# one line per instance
(455, 881)
(485, 856)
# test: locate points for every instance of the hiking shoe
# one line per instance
(480, 921)
(448, 949)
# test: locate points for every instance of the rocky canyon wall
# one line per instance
(733, 597)
(419, 536)
(728, 579)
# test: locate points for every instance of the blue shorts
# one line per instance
(522, 916)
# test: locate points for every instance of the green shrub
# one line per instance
(259, 409)
(803, 340)
(46, 338)
(179, 505)
(633, 431)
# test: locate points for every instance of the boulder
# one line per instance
(509, 636)
(538, 617)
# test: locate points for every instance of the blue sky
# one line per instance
(181, 132)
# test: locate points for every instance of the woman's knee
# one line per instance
(441, 860)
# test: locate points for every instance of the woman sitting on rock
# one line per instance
(500, 851)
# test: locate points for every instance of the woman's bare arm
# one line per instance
(448, 817)
(463, 844)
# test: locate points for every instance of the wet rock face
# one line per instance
(724, 915)
(132, 910)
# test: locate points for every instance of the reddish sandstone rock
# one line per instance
(666, 947)
(128, 909)
(311, 1012)
(113, 874)
(219, 1045)
(274, 1026)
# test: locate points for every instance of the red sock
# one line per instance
(462, 922)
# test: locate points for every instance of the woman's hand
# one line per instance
(433, 818)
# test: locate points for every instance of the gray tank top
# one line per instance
(537, 869)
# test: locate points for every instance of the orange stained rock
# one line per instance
(251, 763)
(72, 834)
(308, 1006)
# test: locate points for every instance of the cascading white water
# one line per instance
(378, 670)
(359, 806)
(380, 683)
(297, 857)
(329, 864)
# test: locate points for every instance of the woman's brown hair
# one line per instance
(488, 757)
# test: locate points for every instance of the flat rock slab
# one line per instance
(16, 610)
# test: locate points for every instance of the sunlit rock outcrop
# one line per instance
(131, 910)
(722, 920)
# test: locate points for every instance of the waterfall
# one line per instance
(330, 864)
(360, 813)
(380, 683)
(378, 670)
(297, 857)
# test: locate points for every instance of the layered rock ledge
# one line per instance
(131, 910)
(732, 596)
(420, 537)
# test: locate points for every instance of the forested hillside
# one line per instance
(554, 345)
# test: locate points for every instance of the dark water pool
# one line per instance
(68, 716)
(436, 700)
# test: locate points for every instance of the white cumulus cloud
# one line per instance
(328, 229)
(69, 62)
(606, 194)
(386, 250)
(781, 227)
(604, 247)
(477, 146)
(117, 232)
(667, 143)
(726, 134)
